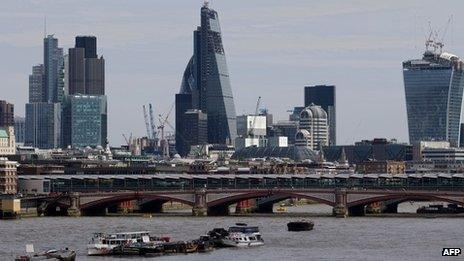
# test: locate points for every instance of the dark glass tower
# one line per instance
(434, 87)
(53, 62)
(86, 69)
(206, 78)
(324, 96)
(89, 44)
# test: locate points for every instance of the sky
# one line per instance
(274, 48)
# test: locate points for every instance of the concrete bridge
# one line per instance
(344, 201)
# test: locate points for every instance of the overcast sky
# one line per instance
(274, 48)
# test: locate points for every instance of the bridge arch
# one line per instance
(220, 206)
(402, 198)
(102, 203)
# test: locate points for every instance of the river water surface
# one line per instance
(357, 238)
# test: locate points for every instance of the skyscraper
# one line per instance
(86, 71)
(53, 65)
(324, 96)
(89, 44)
(37, 84)
(43, 125)
(183, 104)
(195, 129)
(313, 119)
(46, 92)
(85, 107)
(434, 88)
(206, 78)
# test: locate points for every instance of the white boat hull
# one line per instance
(99, 250)
(232, 243)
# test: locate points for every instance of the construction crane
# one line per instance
(253, 123)
(128, 140)
(152, 123)
(147, 124)
(162, 121)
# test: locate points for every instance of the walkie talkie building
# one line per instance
(434, 88)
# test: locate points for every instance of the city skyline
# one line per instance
(369, 57)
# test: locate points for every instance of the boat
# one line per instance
(301, 225)
(53, 254)
(242, 235)
(139, 248)
(103, 244)
(440, 209)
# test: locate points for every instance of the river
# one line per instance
(356, 238)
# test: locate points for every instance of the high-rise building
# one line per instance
(76, 73)
(84, 121)
(195, 129)
(434, 88)
(6, 114)
(53, 66)
(206, 78)
(86, 71)
(37, 84)
(20, 129)
(89, 44)
(183, 104)
(313, 119)
(43, 125)
(324, 96)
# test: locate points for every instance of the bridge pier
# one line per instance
(200, 208)
(74, 209)
(340, 209)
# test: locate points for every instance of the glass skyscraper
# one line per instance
(206, 78)
(434, 89)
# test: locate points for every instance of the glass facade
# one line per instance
(433, 89)
(207, 79)
(43, 125)
(84, 119)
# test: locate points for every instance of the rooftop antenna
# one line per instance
(45, 26)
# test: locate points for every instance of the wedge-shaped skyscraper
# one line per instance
(434, 88)
(206, 79)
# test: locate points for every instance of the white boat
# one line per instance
(103, 244)
(242, 235)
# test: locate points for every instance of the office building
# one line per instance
(324, 96)
(251, 125)
(434, 88)
(284, 129)
(89, 44)
(183, 104)
(43, 125)
(314, 120)
(53, 68)
(6, 114)
(376, 167)
(20, 129)
(84, 121)
(195, 129)
(368, 150)
(86, 73)
(206, 78)
(37, 84)
(7, 141)
(8, 176)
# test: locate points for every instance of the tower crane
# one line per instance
(162, 121)
(147, 124)
(152, 123)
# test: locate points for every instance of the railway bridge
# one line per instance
(204, 201)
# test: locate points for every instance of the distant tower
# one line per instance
(314, 120)
(53, 65)
(324, 96)
(434, 88)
